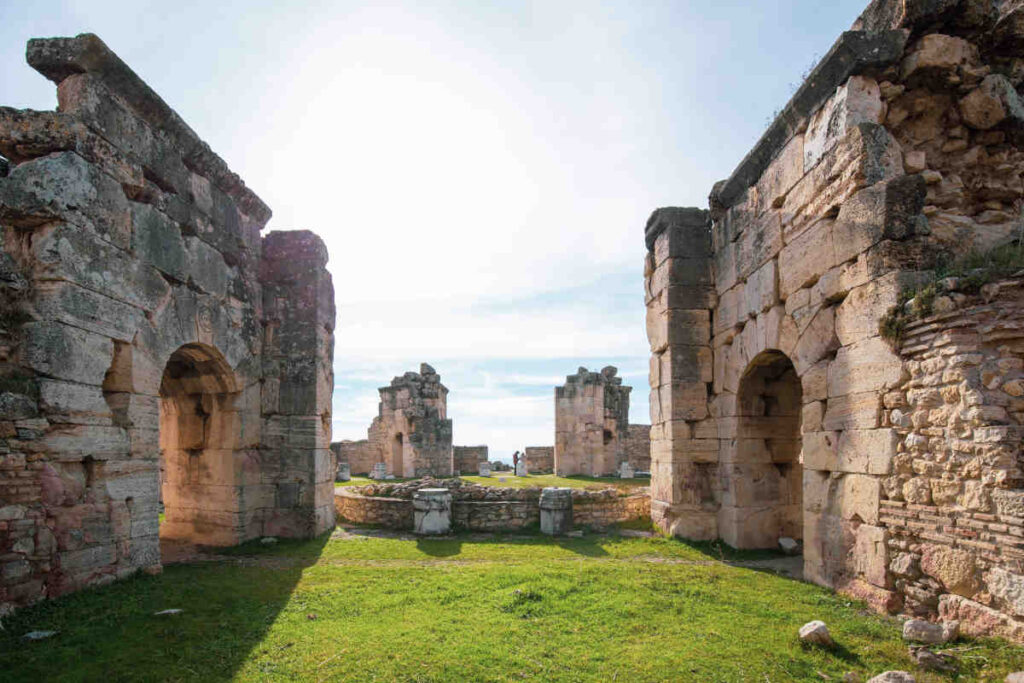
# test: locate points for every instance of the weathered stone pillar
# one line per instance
(298, 303)
(684, 446)
(555, 511)
(344, 472)
(485, 469)
(432, 511)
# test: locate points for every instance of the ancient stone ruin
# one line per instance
(412, 434)
(360, 456)
(540, 459)
(147, 327)
(592, 430)
(796, 392)
(467, 459)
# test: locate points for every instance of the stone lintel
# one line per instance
(674, 217)
(58, 58)
(854, 52)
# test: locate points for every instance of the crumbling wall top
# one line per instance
(59, 58)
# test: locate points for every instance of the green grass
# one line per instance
(504, 608)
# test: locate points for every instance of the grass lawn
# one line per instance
(467, 608)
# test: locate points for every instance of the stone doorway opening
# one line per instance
(199, 463)
(763, 483)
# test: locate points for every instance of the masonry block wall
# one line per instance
(540, 459)
(145, 320)
(638, 447)
(777, 408)
(467, 459)
(360, 455)
(591, 422)
(412, 432)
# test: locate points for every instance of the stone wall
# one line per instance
(145, 320)
(769, 376)
(467, 459)
(494, 509)
(953, 504)
(638, 447)
(540, 459)
(412, 432)
(361, 456)
(591, 422)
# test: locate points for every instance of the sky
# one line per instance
(481, 172)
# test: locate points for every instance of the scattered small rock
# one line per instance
(1015, 677)
(851, 677)
(268, 540)
(311, 617)
(39, 635)
(575, 534)
(167, 612)
(893, 677)
(816, 633)
(930, 661)
(789, 546)
(921, 631)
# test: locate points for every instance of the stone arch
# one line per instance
(201, 467)
(761, 473)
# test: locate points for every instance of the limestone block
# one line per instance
(817, 341)
(681, 272)
(682, 238)
(729, 311)
(69, 303)
(725, 272)
(804, 259)
(64, 352)
(746, 484)
(1007, 587)
(681, 363)
(64, 186)
(157, 240)
(955, 569)
(991, 103)
(867, 365)
(205, 267)
(749, 527)
(757, 245)
(866, 155)
(885, 210)
(867, 451)
(857, 317)
(820, 451)
(73, 403)
(781, 175)
(937, 55)
(761, 290)
(681, 401)
(677, 327)
(859, 100)
(74, 442)
(858, 497)
(811, 415)
(871, 555)
(744, 450)
(814, 382)
(64, 252)
(853, 411)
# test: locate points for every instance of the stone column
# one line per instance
(684, 446)
(344, 472)
(485, 469)
(555, 511)
(298, 302)
(432, 511)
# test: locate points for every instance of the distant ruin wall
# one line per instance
(591, 423)
(638, 447)
(540, 459)
(145, 320)
(468, 458)
(771, 382)
(360, 456)
(412, 430)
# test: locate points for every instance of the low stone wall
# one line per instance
(613, 511)
(393, 513)
(504, 509)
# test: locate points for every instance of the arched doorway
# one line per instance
(199, 464)
(763, 479)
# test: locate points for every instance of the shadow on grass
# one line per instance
(588, 546)
(113, 634)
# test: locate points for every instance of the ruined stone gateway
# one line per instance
(147, 327)
(778, 408)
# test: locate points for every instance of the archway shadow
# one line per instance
(229, 599)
